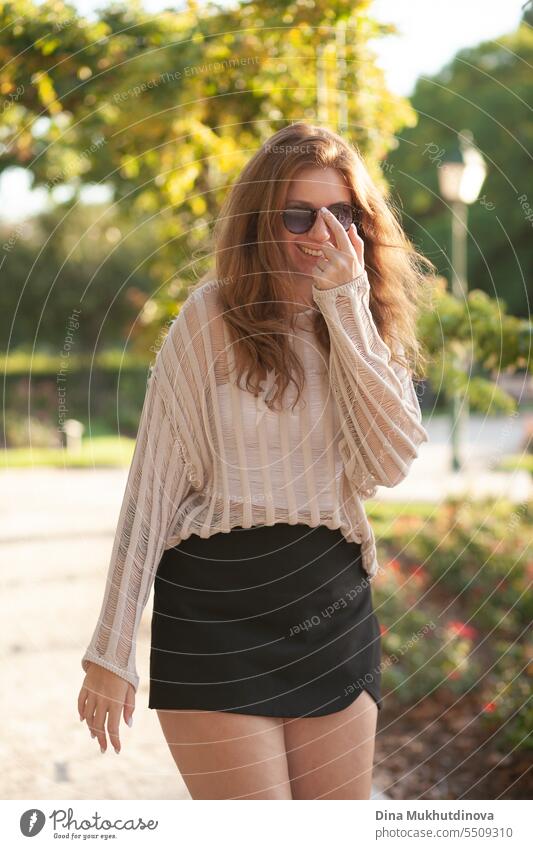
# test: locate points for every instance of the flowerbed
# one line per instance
(454, 602)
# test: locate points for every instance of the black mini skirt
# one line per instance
(271, 620)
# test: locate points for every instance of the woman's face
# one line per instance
(313, 187)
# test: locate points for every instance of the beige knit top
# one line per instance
(210, 455)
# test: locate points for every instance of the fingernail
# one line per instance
(93, 735)
(81, 718)
(117, 751)
(129, 721)
(102, 749)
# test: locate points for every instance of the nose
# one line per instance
(319, 231)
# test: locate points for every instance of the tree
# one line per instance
(486, 89)
(167, 109)
(477, 332)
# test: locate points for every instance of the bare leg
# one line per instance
(330, 757)
(228, 755)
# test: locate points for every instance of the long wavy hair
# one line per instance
(250, 262)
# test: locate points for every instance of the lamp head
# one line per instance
(463, 171)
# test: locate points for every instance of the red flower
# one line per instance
(461, 629)
(394, 565)
(383, 629)
(489, 707)
(417, 574)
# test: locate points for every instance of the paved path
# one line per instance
(56, 530)
(52, 589)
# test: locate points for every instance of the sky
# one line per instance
(429, 36)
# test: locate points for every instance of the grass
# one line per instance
(97, 451)
(517, 462)
(40, 362)
(387, 510)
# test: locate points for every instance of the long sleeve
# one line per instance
(380, 414)
(158, 481)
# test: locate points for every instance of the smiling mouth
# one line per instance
(309, 252)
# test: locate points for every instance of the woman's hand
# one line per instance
(105, 695)
(342, 263)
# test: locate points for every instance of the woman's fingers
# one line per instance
(344, 262)
(358, 245)
(82, 700)
(113, 720)
(341, 237)
(129, 705)
(90, 706)
(98, 725)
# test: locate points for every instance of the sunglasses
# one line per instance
(301, 219)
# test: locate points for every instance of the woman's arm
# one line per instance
(158, 481)
(379, 411)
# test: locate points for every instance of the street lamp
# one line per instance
(461, 175)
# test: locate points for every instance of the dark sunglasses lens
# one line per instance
(298, 220)
(301, 220)
(343, 212)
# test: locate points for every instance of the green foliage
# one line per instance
(466, 567)
(81, 258)
(486, 89)
(420, 652)
(166, 109)
(110, 395)
(470, 343)
(481, 551)
(510, 705)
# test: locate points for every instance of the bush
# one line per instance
(480, 551)
(459, 577)
(111, 394)
(420, 650)
(22, 431)
(508, 709)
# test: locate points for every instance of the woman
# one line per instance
(244, 502)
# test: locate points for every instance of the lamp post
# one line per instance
(461, 175)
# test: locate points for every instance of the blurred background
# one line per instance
(121, 128)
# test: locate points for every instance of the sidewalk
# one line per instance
(52, 591)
